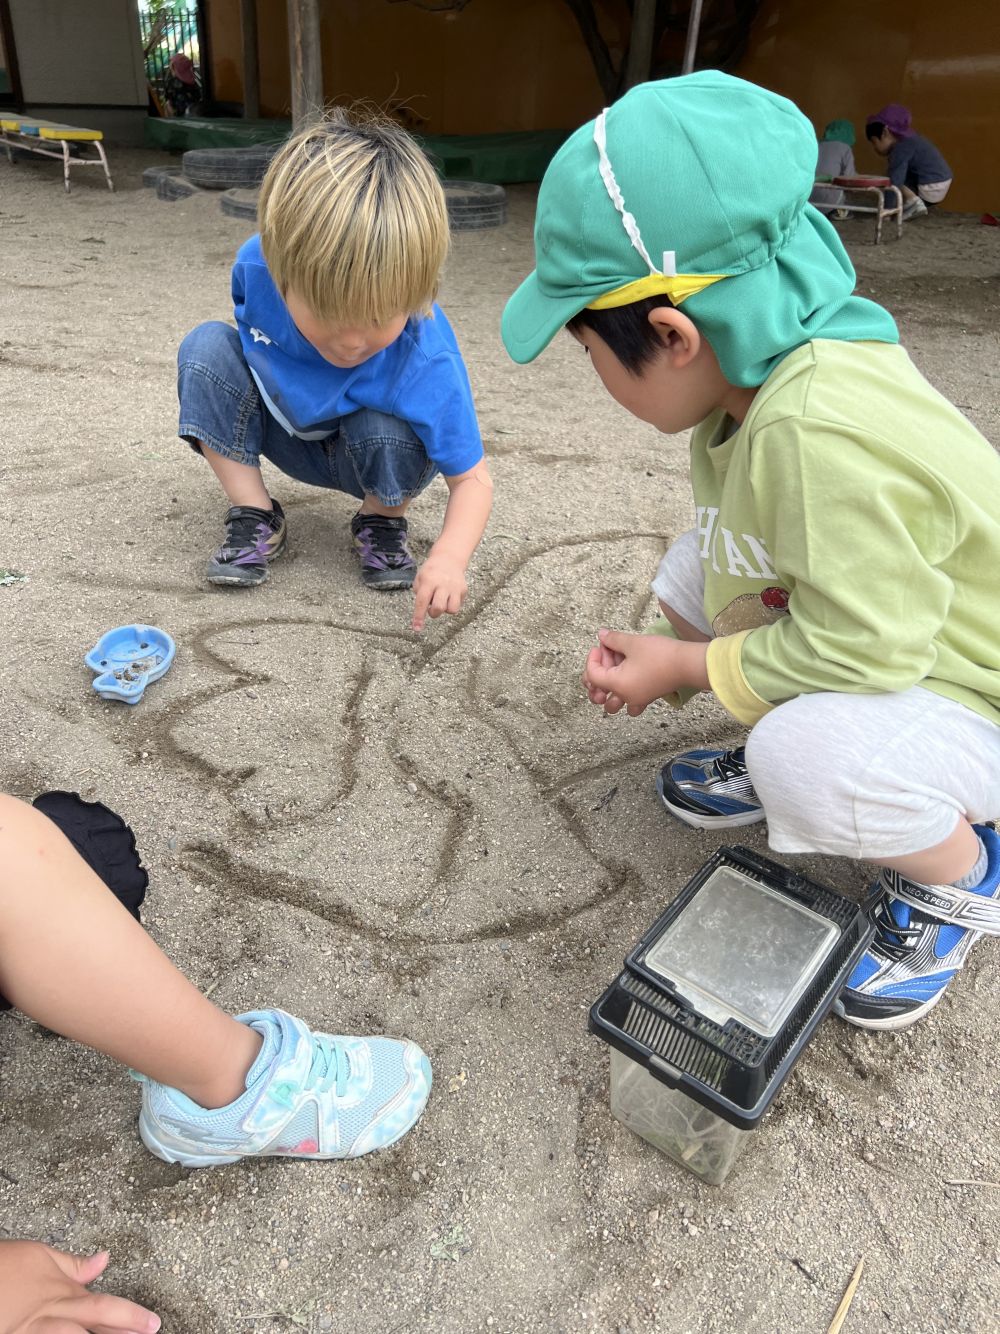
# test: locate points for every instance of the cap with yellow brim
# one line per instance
(695, 188)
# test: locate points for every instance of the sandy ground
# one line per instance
(434, 836)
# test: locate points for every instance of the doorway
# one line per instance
(10, 82)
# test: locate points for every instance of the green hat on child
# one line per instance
(841, 132)
(694, 187)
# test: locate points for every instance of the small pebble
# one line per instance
(411, 787)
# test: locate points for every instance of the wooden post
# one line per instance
(251, 64)
(640, 46)
(306, 61)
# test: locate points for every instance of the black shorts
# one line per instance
(104, 841)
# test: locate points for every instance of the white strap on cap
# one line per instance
(614, 191)
(945, 903)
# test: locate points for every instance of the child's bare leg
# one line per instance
(942, 864)
(372, 505)
(73, 958)
(242, 482)
(685, 630)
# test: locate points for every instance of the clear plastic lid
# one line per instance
(742, 950)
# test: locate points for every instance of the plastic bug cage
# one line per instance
(719, 999)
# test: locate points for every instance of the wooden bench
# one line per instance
(50, 139)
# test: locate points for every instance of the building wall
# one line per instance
(521, 65)
(849, 59)
(496, 65)
(73, 53)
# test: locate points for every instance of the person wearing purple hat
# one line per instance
(915, 164)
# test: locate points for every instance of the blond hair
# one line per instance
(353, 220)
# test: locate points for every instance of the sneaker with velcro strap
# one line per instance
(308, 1095)
(923, 935)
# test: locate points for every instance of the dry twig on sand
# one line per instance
(845, 1302)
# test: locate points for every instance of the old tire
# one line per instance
(228, 168)
(175, 187)
(152, 175)
(476, 219)
(240, 203)
(473, 194)
(474, 205)
(478, 223)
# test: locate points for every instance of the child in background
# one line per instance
(214, 1088)
(915, 164)
(341, 370)
(838, 592)
(181, 90)
(834, 158)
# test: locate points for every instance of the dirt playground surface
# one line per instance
(434, 836)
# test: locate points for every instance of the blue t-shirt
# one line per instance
(420, 378)
(916, 161)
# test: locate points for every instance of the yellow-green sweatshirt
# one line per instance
(850, 535)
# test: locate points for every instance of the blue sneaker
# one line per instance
(709, 789)
(923, 934)
(308, 1095)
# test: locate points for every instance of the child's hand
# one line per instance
(599, 659)
(440, 587)
(630, 671)
(42, 1288)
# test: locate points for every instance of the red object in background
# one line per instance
(863, 182)
(990, 220)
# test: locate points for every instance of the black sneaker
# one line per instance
(386, 559)
(709, 789)
(254, 538)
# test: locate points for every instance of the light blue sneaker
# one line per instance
(309, 1095)
(923, 934)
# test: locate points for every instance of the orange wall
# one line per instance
(496, 65)
(521, 65)
(849, 59)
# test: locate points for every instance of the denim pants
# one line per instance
(369, 453)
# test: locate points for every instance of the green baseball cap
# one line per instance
(695, 187)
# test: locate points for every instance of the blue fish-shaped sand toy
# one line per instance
(127, 659)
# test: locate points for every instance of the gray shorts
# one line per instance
(865, 776)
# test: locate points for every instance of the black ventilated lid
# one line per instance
(723, 992)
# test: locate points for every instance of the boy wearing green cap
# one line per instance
(838, 589)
